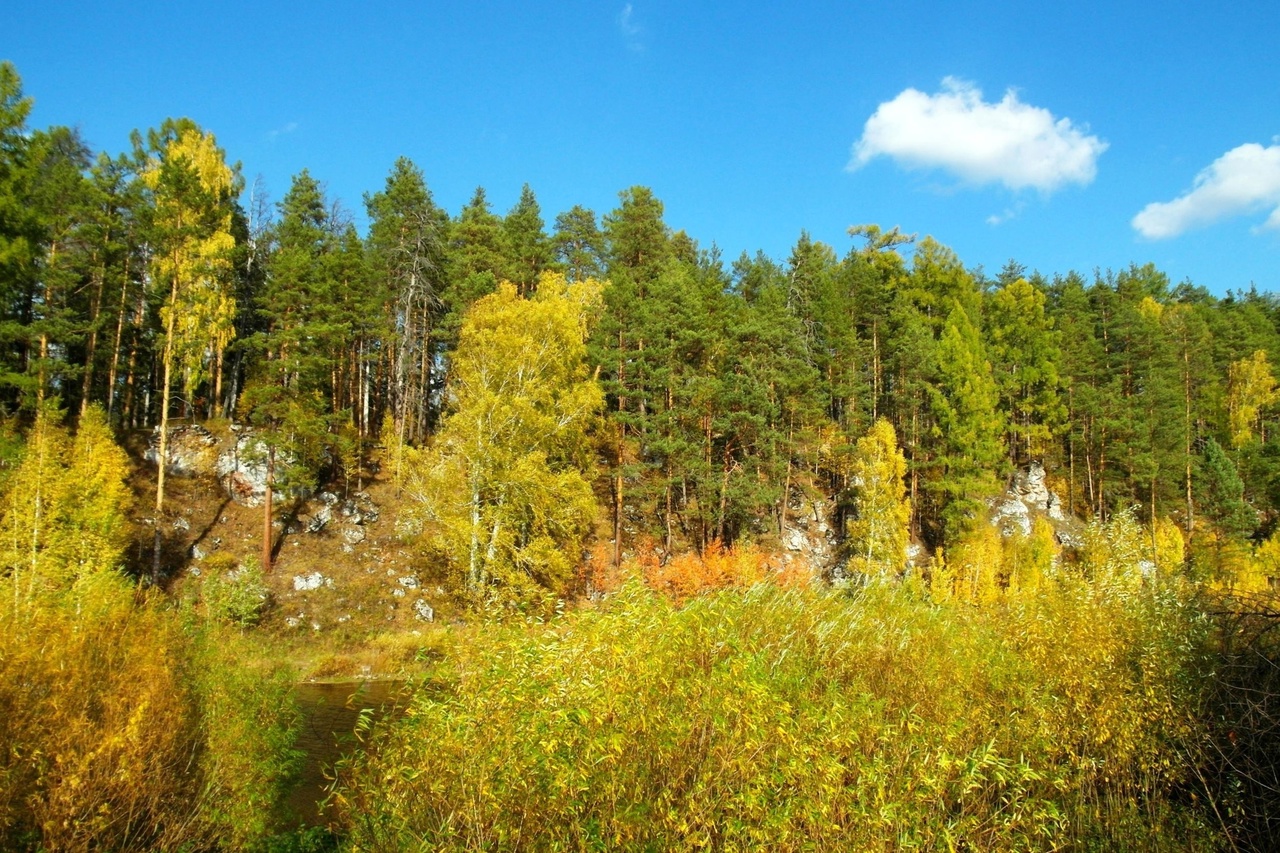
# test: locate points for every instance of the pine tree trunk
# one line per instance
(91, 348)
(114, 372)
(267, 509)
(786, 483)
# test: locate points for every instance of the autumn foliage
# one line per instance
(801, 719)
(125, 724)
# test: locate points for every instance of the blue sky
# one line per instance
(1065, 136)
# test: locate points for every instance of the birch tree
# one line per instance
(504, 487)
(192, 190)
(882, 514)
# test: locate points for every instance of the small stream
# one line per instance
(330, 711)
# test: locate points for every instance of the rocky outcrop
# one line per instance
(192, 451)
(808, 535)
(1028, 496)
(242, 470)
(346, 519)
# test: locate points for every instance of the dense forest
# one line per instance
(603, 411)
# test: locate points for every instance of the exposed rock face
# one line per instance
(346, 519)
(808, 534)
(192, 450)
(1027, 497)
(242, 470)
(320, 520)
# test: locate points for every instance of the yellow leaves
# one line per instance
(1150, 309)
(1239, 570)
(1168, 547)
(986, 568)
(1029, 560)
(197, 152)
(98, 691)
(878, 534)
(974, 565)
(1268, 559)
(503, 488)
(192, 187)
(64, 514)
(1251, 390)
(781, 720)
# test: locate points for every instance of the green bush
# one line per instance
(249, 722)
(235, 593)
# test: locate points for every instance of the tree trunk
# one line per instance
(267, 510)
(163, 451)
(786, 482)
(91, 348)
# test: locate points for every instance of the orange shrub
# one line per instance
(686, 575)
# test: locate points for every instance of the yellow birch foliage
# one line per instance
(96, 726)
(1169, 548)
(31, 508)
(1115, 551)
(503, 489)
(1251, 388)
(120, 730)
(1265, 577)
(974, 566)
(192, 185)
(122, 727)
(1237, 570)
(878, 533)
(798, 720)
(97, 475)
(1029, 560)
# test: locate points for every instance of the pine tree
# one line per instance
(287, 396)
(116, 273)
(579, 244)
(407, 250)
(939, 281)
(638, 248)
(60, 197)
(528, 249)
(876, 276)
(1221, 494)
(1081, 372)
(476, 260)
(968, 424)
(1025, 356)
(19, 230)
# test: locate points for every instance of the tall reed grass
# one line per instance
(1059, 715)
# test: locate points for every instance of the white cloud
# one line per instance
(997, 219)
(631, 31)
(1009, 142)
(1244, 180)
(275, 134)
